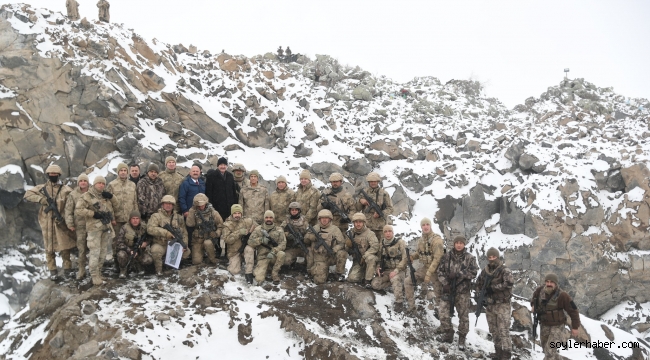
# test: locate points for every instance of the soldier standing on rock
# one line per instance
(322, 259)
(280, 199)
(233, 229)
(456, 271)
(374, 221)
(104, 14)
(308, 197)
(254, 199)
(429, 251)
(268, 253)
(96, 206)
(498, 291)
(124, 201)
(172, 180)
(72, 6)
(363, 269)
(392, 263)
(77, 223)
(150, 191)
(280, 52)
(551, 303)
(341, 199)
(56, 236)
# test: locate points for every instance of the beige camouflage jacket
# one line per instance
(56, 236)
(392, 255)
(275, 232)
(367, 241)
(124, 198)
(343, 200)
(332, 236)
(233, 231)
(382, 198)
(254, 201)
(160, 219)
(86, 207)
(71, 218)
(308, 198)
(194, 220)
(299, 225)
(429, 252)
(279, 203)
(172, 182)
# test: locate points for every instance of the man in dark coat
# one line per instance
(221, 189)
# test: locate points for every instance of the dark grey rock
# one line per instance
(359, 166)
(476, 210)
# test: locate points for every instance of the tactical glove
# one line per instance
(97, 215)
(265, 240)
(270, 256)
(489, 290)
(107, 195)
(243, 232)
(169, 235)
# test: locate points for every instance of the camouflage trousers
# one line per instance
(498, 318)
(113, 244)
(158, 253)
(98, 242)
(397, 282)
(198, 246)
(51, 259)
(263, 265)
(82, 247)
(321, 269)
(409, 289)
(144, 258)
(461, 306)
(549, 334)
(290, 256)
(366, 271)
(249, 259)
(234, 264)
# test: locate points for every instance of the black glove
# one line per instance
(107, 195)
(489, 290)
(97, 215)
(325, 205)
(446, 289)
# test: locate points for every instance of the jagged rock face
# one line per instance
(559, 183)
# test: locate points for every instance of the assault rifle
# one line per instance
(373, 205)
(205, 228)
(51, 206)
(135, 251)
(331, 205)
(178, 235)
(297, 237)
(105, 216)
(480, 299)
(411, 268)
(320, 241)
(356, 253)
(535, 322)
(272, 242)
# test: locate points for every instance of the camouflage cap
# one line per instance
(552, 277)
(325, 214)
(99, 179)
(336, 177)
(373, 176)
(200, 199)
(358, 217)
(54, 169)
(295, 205)
(121, 166)
(305, 174)
(153, 167)
(169, 158)
(493, 252)
(425, 221)
(82, 177)
(168, 199)
(236, 208)
(134, 213)
(281, 178)
(269, 213)
(460, 239)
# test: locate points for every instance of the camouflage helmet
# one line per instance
(295, 205)
(168, 199)
(373, 176)
(325, 214)
(53, 169)
(238, 167)
(336, 177)
(358, 217)
(200, 199)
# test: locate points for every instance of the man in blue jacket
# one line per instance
(192, 184)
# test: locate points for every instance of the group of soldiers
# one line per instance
(72, 8)
(139, 216)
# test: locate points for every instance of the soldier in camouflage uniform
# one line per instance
(280, 199)
(391, 266)
(77, 223)
(552, 304)
(254, 199)
(430, 249)
(124, 201)
(456, 267)
(202, 238)
(234, 228)
(341, 199)
(238, 172)
(172, 180)
(56, 235)
(308, 197)
(299, 224)
(161, 237)
(93, 204)
(373, 221)
(267, 254)
(498, 291)
(363, 270)
(150, 190)
(133, 230)
(322, 260)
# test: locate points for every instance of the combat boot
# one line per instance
(54, 275)
(461, 342)
(446, 337)
(398, 307)
(341, 278)
(249, 278)
(81, 273)
(122, 274)
(496, 355)
(69, 273)
(366, 284)
(505, 355)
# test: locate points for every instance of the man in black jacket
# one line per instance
(221, 189)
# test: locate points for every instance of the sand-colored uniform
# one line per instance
(293, 250)
(254, 201)
(79, 224)
(392, 256)
(124, 201)
(279, 203)
(72, 7)
(369, 247)
(344, 201)
(56, 235)
(382, 198)
(160, 235)
(172, 180)
(308, 197)
(203, 234)
(99, 234)
(322, 260)
(427, 257)
(232, 232)
(267, 254)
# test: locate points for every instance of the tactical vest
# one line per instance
(498, 296)
(550, 315)
(391, 255)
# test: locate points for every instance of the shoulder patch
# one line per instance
(573, 305)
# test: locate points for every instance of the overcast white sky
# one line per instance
(517, 48)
